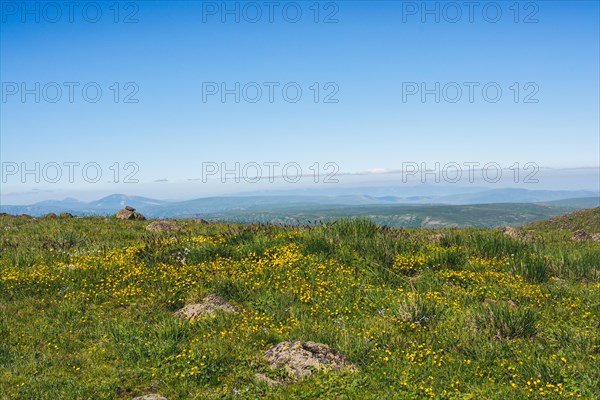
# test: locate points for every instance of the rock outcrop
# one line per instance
(129, 213)
(301, 358)
(163, 226)
(512, 232)
(581, 236)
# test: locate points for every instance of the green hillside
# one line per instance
(99, 308)
(587, 220)
(407, 216)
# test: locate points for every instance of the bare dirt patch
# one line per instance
(208, 307)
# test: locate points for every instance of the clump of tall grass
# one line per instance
(453, 257)
(532, 267)
(583, 264)
(487, 243)
(420, 310)
(362, 243)
(506, 322)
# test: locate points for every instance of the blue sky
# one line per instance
(368, 56)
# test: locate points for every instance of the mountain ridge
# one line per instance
(301, 210)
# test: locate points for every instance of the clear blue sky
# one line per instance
(170, 51)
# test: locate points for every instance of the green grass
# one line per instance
(87, 304)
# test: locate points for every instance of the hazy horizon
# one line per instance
(567, 180)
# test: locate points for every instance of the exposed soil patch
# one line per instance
(208, 307)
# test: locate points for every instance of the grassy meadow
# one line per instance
(87, 310)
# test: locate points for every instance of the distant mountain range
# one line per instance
(483, 208)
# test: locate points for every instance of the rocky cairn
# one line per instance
(129, 213)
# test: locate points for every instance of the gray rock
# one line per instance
(138, 216)
(300, 358)
(163, 226)
(512, 232)
(125, 214)
(128, 214)
(581, 236)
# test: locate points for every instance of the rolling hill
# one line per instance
(587, 221)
